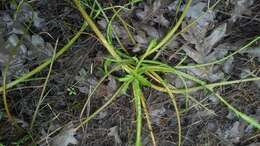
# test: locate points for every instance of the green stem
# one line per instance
(8, 113)
(44, 87)
(173, 98)
(169, 35)
(186, 28)
(247, 118)
(86, 120)
(213, 85)
(138, 107)
(95, 88)
(220, 60)
(193, 89)
(148, 121)
(93, 26)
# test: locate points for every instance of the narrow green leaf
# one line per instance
(125, 78)
(142, 80)
(138, 107)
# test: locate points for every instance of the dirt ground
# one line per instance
(29, 31)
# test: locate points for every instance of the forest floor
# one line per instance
(46, 104)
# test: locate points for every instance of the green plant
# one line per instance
(71, 91)
(47, 62)
(141, 72)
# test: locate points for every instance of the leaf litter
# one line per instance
(65, 137)
(203, 43)
(205, 50)
(114, 132)
(240, 7)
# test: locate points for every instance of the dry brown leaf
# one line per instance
(196, 9)
(114, 132)
(203, 50)
(240, 8)
(65, 137)
(156, 112)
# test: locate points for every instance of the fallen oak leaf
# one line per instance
(204, 45)
(65, 137)
(205, 50)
